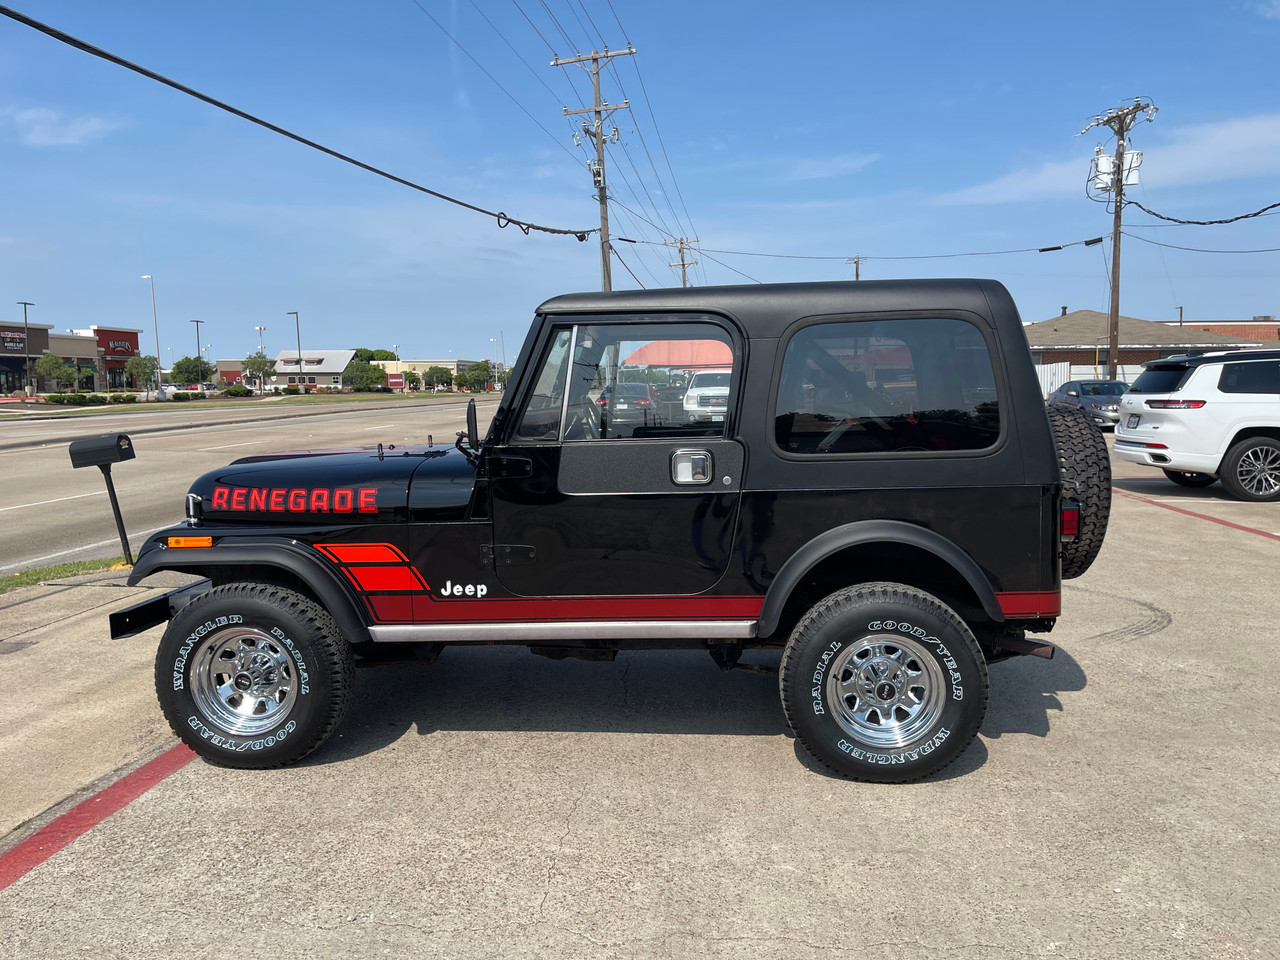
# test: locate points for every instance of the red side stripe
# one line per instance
(362, 552)
(51, 838)
(386, 578)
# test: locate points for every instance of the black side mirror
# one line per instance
(473, 439)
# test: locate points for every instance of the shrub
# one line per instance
(77, 399)
(95, 398)
(180, 395)
(290, 391)
(56, 398)
(199, 395)
(116, 398)
(238, 390)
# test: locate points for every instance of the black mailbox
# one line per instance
(100, 451)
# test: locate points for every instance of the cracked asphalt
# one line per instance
(1120, 801)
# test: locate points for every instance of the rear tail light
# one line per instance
(1175, 404)
(1070, 520)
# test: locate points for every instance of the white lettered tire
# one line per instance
(253, 675)
(883, 682)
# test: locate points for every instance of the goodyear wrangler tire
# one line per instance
(883, 682)
(253, 675)
(1085, 465)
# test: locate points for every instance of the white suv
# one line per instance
(1207, 417)
(708, 395)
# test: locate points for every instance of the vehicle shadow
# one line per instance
(509, 689)
(1160, 487)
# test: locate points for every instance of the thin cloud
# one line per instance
(828, 168)
(44, 127)
(1184, 156)
(1270, 9)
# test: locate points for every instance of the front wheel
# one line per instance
(883, 682)
(253, 675)
(1251, 470)
(1185, 478)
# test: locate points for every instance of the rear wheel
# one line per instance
(1187, 479)
(1085, 466)
(1251, 469)
(883, 682)
(253, 675)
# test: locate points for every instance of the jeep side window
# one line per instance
(886, 386)
(634, 381)
(541, 417)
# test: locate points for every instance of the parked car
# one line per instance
(630, 403)
(888, 554)
(707, 395)
(1207, 417)
(1099, 399)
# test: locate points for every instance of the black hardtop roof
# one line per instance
(766, 309)
(1196, 359)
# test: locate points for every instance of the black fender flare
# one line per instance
(872, 531)
(302, 562)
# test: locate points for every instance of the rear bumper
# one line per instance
(1136, 452)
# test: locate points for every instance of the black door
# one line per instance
(610, 482)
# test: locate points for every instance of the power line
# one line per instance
(509, 95)
(502, 219)
(1171, 246)
(932, 256)
(1203, 223)
(614, 251)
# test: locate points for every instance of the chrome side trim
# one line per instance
(569, 630)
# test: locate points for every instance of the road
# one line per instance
(51, 513)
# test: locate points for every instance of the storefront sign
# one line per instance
(120, 345)
(13, 339)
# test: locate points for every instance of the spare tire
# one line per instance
(1086, 478)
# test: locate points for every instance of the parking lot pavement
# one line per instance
(1119, 802)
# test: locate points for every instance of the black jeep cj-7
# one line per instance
(881, 495)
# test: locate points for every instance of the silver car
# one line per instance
(1100, 399)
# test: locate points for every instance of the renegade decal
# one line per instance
(295, 499)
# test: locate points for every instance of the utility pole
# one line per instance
(595, 131)
(1120, 122)
(199, 355)
(684, 265)
(297, 329)
(856, 260)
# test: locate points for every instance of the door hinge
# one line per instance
(507, 468)
(507, 554)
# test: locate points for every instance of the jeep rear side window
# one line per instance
(886, 386)
(1250, 378)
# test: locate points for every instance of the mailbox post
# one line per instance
(102, 452)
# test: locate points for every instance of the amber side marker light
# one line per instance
(190, 541)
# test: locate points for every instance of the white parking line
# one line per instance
(36, 561)
(381, 426)
(227, 446)
(96, 493)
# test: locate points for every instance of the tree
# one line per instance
(190, 370)
(361, 375)
(365, 354)
(437, 376)
(257, 367)
(53, 368)
(142, 370)
(477, 376)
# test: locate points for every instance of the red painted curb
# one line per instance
(82, 818)
(1202, 516)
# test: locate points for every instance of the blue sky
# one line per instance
(880, 129)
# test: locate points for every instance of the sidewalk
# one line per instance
(79, 705)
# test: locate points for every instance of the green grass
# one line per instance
(29, 578)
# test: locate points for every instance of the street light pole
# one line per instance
(199, 357)
(297, 329)
(26, 346)
(259, 329)
(155, 324)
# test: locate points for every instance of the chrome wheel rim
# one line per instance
(886, 690)
(1259, 471)
(243, 681)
